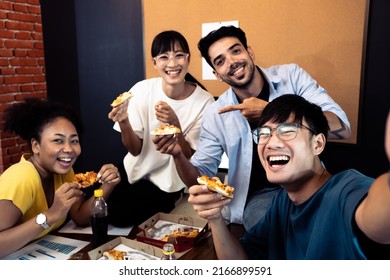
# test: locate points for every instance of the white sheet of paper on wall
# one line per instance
(207, 71)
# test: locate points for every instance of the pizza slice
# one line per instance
(114, 254)
(86, 179)
(215, 185)
(188, 232)
(122, 98)
(165, 129)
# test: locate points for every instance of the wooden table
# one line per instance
(204, 250)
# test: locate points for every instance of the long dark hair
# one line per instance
(165, 41)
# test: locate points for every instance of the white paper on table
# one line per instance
(71, 227)
(49, 247)
(132, 254)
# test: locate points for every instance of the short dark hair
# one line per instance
(28, 118)
(166, 40)
(282, 107)
(224, 31)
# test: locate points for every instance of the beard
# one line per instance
(245, 79)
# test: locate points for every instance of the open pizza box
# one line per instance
(135, 250)
(153, 230)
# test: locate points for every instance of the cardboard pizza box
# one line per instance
(141, 250)
(158, 225)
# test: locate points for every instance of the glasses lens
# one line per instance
(162, 58)
(178, 57)
(287, 131)
(264, 134)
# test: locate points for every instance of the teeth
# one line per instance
(238, 71)
(173, 72)
(278, 158)
(66, 159)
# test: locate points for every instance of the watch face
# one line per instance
(41, 218)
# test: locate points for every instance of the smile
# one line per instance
(173, 72)
(238, 72)
(278, 160)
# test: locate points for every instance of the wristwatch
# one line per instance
(42, 221)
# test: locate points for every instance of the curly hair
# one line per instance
(29, 118)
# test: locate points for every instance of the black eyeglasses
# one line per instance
(284, 131)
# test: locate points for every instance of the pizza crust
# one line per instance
(122, 98)
(215, 185)
(165, 129)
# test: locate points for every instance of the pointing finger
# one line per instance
(230, 108)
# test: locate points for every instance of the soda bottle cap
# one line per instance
(98, 193)
(168, 249)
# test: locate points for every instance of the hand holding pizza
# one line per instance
(123, 97)
(119, 107)
(166, 139)
(107, 174)
(215, 185)
(165, 114)
(206, 203)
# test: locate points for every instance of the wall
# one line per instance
(368, 155)
(22, 68)
(93, 51)
(324, 37)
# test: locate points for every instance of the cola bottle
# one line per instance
(99, 219)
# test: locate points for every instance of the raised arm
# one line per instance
(130, 140)
(372, 215)
(338, 129)
(251, 108)
(170, 145)
(165, 114)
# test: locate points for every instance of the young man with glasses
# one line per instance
(316, 215)
(227, 124)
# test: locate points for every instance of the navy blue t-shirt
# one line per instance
(321, 228)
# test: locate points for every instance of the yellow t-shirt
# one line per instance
(21, 184)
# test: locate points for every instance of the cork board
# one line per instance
(326, 38)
